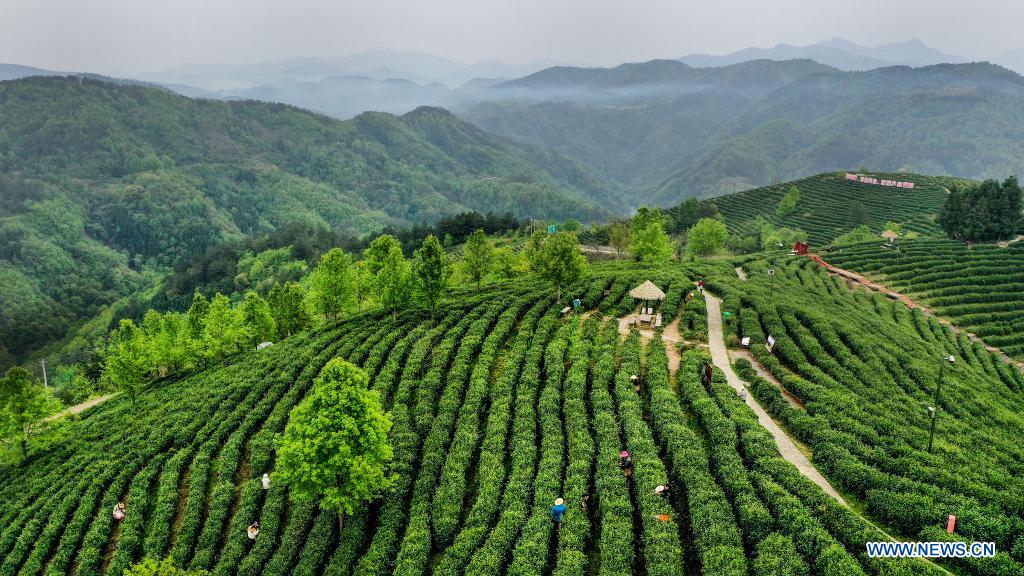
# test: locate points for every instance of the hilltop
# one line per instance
(104, 183)
(831, 205)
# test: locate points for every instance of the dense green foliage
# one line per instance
(981, 288)
(988, 211)
(335, 448)
(101, 183)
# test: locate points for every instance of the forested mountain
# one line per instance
(669, 131)
(99, 182)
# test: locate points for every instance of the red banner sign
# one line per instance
(877, 181)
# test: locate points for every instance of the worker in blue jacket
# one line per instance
(558, 510)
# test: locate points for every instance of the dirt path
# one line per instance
(670, 336)
(740, 273)
(1005, 243)
(745, 354)
(79, 408)
(853, 279)
(787, 447)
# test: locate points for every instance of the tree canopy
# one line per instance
(335, 444)
(706, 237)
(557, 258)
(988, 211)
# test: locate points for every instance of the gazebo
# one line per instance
(889, 235)
(648, 292)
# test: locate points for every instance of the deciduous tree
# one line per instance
(335, 443)
(706, 237)
(23, 403)
(478, 256)
(557, 258)
(257, 319)
(430, 273)
(331, 284)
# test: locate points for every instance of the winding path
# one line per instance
(79, 408)
(787, 447)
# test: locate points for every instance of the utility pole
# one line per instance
(934, 410)
(46, 383)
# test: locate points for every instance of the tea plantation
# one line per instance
(830, 205)
(980, 289)
(501, 405)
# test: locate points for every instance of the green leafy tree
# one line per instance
(706, 237)
(509, 264)
(858, 214)
(477, 256)
(23, 403)
(378, 251)
(393, 281)
(125, 358)
(557, 258)
(861, 233)
(225, 333)
(288, 305)
(196, 315)
(258, 320)
(893, 226)
(335, 443)
(648, 240)
(362, 281)
(787, 205)
(619, 237)
(430, 273)
(987, 211)
(331, 284)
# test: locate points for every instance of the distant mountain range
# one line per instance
(667, 130)
(416, 67)
(835, 52)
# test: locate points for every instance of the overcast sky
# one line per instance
(133, 36)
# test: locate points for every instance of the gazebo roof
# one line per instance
(647, 291)
(890, 234)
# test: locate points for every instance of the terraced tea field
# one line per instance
(980, 289)
(828, 203)
(865, 369)
(501, 405)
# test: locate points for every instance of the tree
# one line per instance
(787, 205)
(478, 256)
(706, 237)
(509, 265)
(987, 211)
(224, 332)
(332, 289)
(649, 242)
(196, 315)
(392, 281)
(125, 358)
(257, 319)
(894, 226)
(619, 237)
(362, 281)
(430, 273)
(335, 443)
(22, 404)
(858, 214)
(288, 306)
(378, 250)
(557, 258)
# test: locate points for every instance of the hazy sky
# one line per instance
(132, 36)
